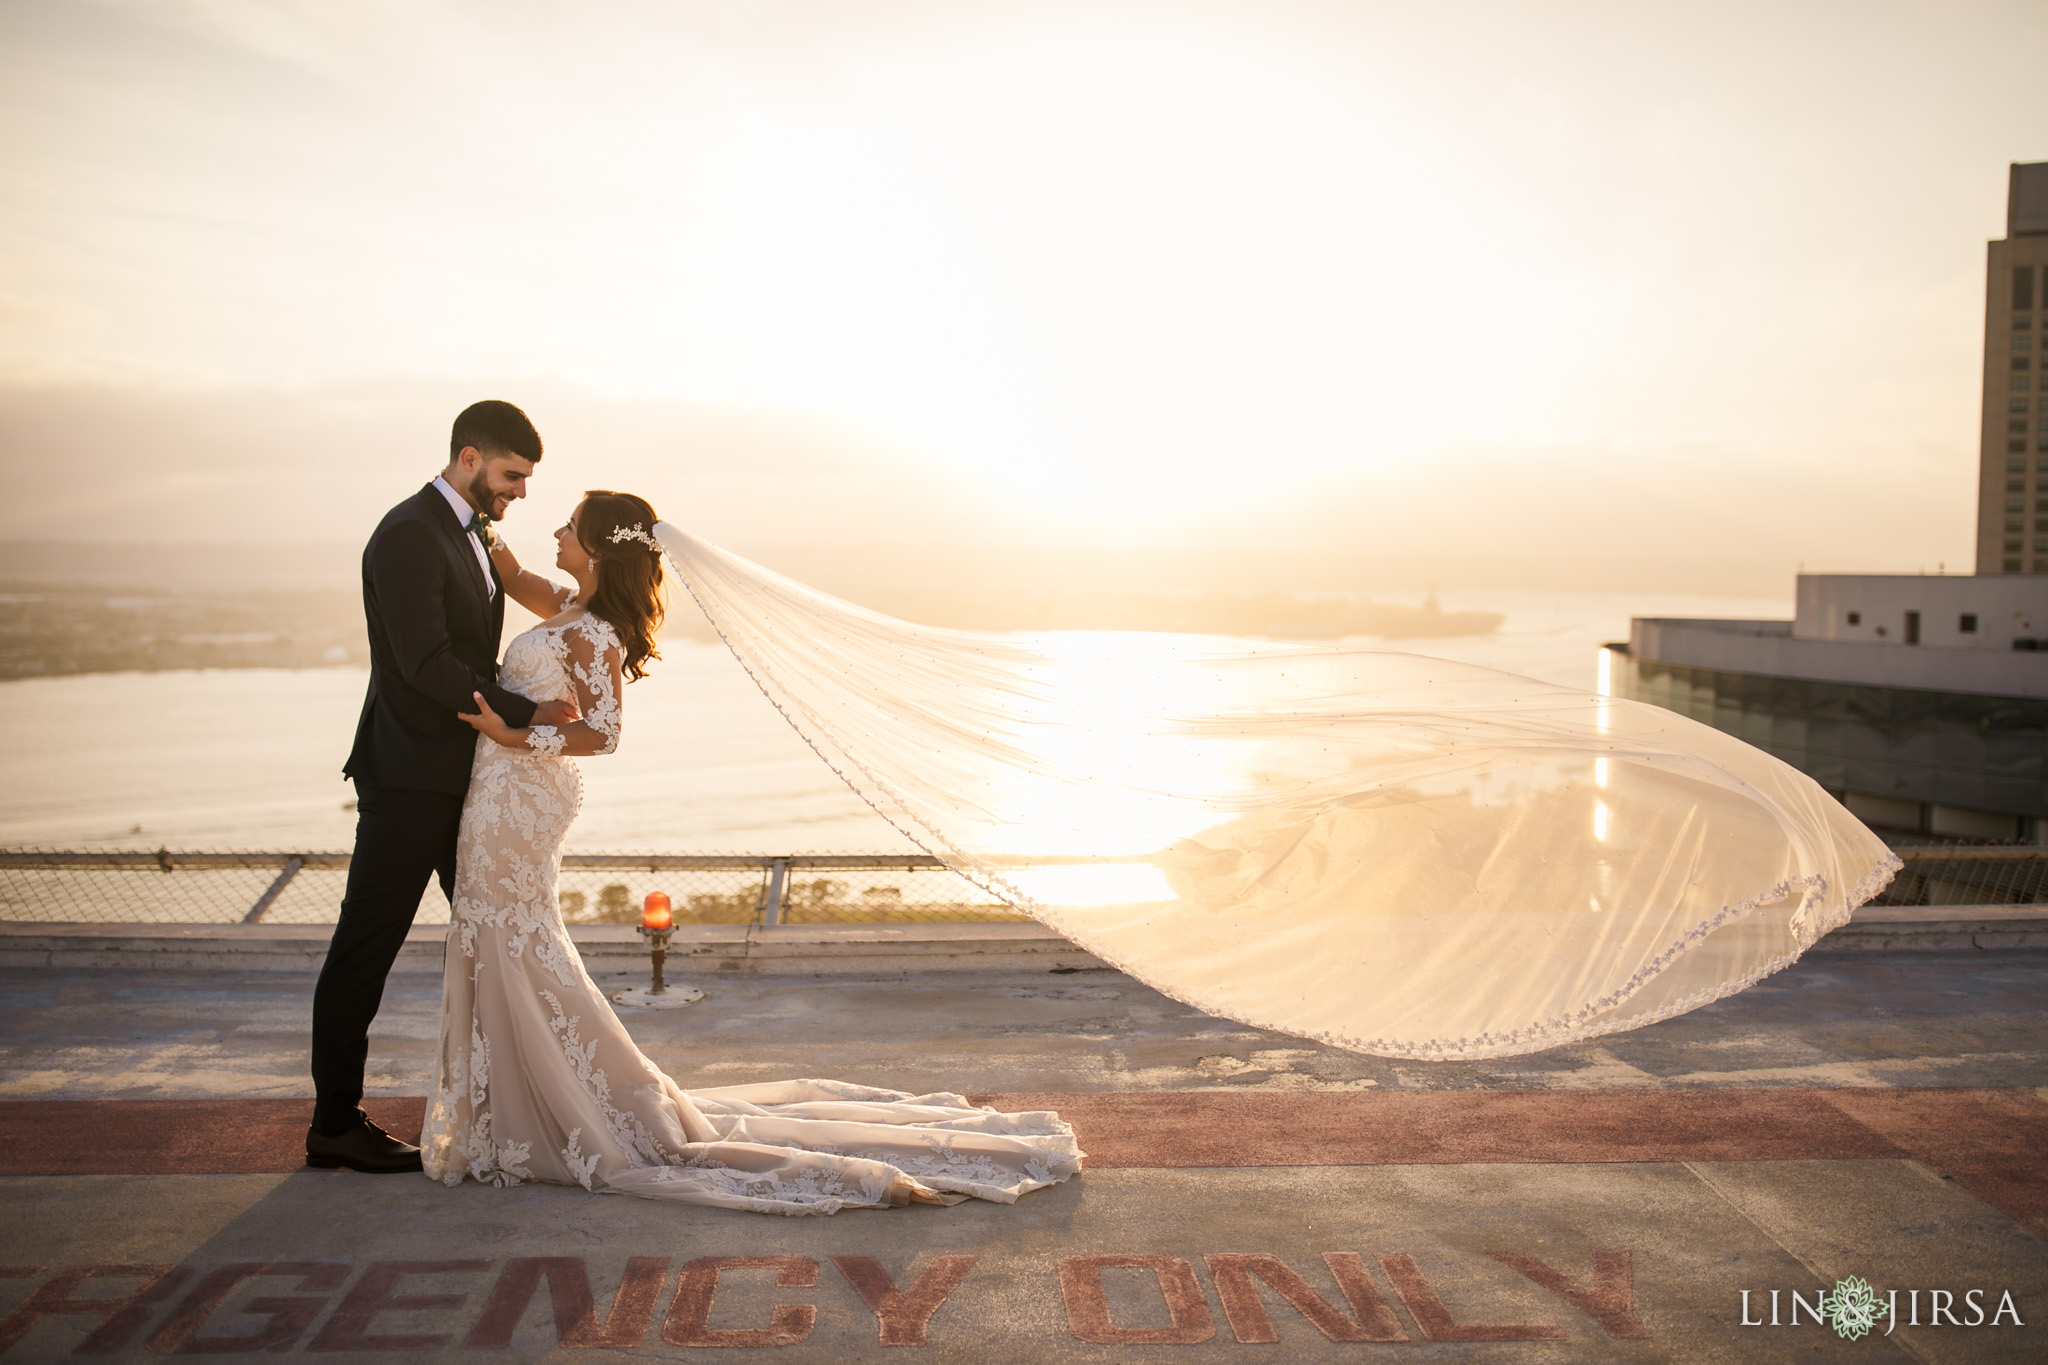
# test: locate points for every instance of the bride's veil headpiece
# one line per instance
(1383, 851)
(636, 532)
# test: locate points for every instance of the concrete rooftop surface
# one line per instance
(1248, 1196)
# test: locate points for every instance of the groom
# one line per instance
(435, 609)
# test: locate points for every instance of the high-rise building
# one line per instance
(2012, 485)
(1920, 703)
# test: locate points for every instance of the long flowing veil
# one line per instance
(1390, 853)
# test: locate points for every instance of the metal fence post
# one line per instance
(264, 901)
(771, 899)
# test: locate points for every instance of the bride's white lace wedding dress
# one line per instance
(538, 1080)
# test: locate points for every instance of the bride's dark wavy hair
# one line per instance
(629, 579)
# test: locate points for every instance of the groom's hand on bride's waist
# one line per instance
(556, 713)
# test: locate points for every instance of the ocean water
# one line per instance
(251, 759)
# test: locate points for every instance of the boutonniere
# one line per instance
(487, 532)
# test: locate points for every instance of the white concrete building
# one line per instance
(1971, 634)
(1996, 614)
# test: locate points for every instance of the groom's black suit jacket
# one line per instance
(434, 627)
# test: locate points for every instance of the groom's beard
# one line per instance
(481, 497)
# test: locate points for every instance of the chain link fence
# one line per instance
(52, 885)
(215, 887)
(804, 889)
(1970, 875)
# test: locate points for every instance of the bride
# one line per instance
(537, 1080)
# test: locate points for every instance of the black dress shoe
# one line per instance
(365, 1147)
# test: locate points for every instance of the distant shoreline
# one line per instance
(54, 630)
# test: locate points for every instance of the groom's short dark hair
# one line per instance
(494, 427)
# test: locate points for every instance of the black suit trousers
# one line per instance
(403, 837)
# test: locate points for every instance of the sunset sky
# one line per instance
(1314, 294)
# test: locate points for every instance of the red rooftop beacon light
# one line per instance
(657, 923)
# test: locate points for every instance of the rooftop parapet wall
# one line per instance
(1871, 609)
(1771, 649)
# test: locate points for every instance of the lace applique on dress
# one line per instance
(510, 1160)
(626, 1130)
(817, 1190)
(591, 665)
(580, 1166)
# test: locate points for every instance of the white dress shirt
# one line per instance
(463, 512)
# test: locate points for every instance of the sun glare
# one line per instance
(1118, 280)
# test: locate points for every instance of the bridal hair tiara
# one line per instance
(636, 532)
